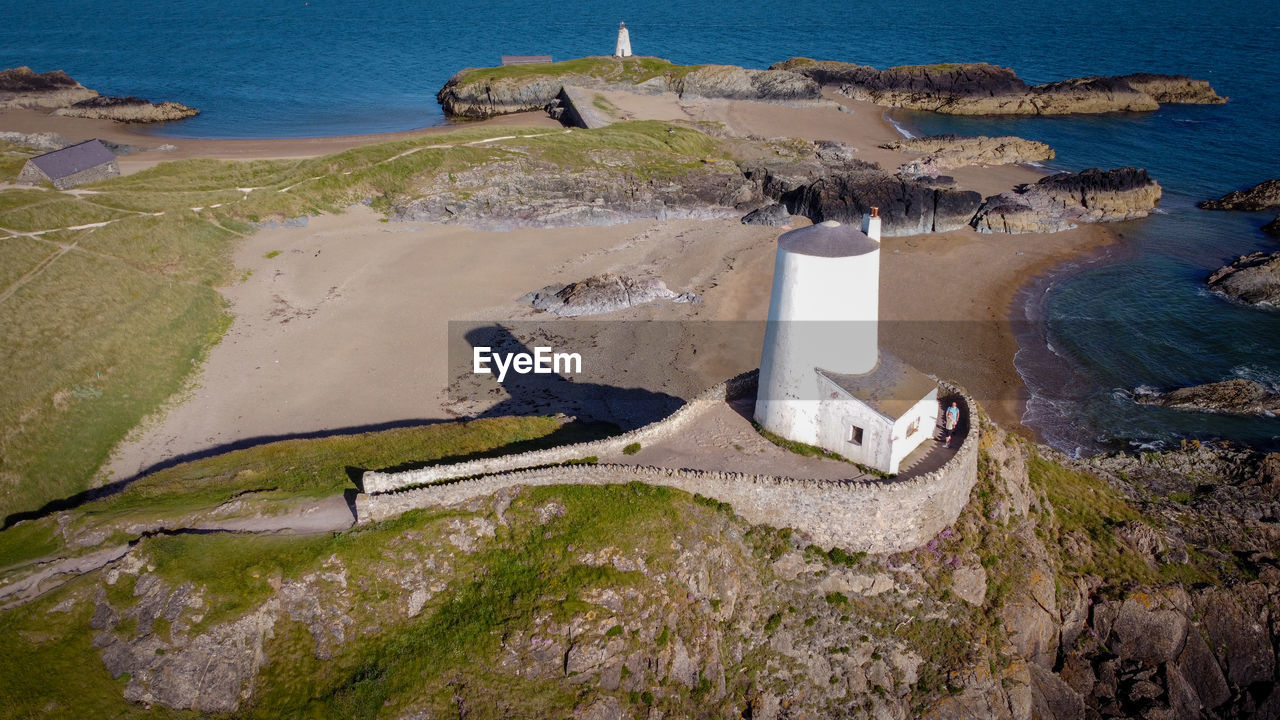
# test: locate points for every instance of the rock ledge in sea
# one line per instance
(1263, 196)
(985, 89)
(1252, 279)
(1233, 397)
(127, 109)
(1058, 202)
(945, 152)
(22, 87)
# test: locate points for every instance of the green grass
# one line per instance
(104, 334)
(12, 158)
(1087, 506)
(625, 70)
(271, 476)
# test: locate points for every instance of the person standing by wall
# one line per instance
(951, 420)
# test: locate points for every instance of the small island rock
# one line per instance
(127, 109)
(1234, 397)
(1060, 201)
(1252, 279)
(1263, 196)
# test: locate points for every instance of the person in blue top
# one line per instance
(951, 421)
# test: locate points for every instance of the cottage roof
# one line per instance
(73, 159)
(828, 239)
(891, 389)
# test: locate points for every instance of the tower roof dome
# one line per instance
(828, 239)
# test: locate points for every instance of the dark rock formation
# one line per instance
(127, 109)
(907, 206)
(1263, 196)
(773, 214)
(598, 294)
(984, 89)
(943, 152)
(23, 88)
(1058, 202)
(1234, 397)
(1273, 227)
(1252, 279)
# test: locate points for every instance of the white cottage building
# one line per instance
(823, 379)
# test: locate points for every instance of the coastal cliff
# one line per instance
(55, 90)
(985, 89)
(1119, 586)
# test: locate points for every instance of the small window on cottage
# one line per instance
(914, 427)
(855, 435)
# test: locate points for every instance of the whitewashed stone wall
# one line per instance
(887, 516)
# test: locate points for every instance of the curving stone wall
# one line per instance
(378, 482)
(887, 516)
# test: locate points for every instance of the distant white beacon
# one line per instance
(624, 41)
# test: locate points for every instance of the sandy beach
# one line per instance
(343, 328)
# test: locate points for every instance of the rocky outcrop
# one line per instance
(1233, 397)
(1273, 227)
(21, 87)
(46, 141)
(773, 214)
(984, 89)
(1263, 196)
(127, 109)
(599, 294)
(486, 92)
(501, 195)
(824, 182)
(57, 91)
(908, 206)
(730, 82)
(1252, 279)
(944, 152)
(1058, 202)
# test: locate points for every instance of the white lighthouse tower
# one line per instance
(623, 48)
(823, 380)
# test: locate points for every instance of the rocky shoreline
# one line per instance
(959, 88)
(947, 152)
(1263, 196)
(23, 88)
(1233, 397)
(984, 89)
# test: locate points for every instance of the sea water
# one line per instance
(1134, 318)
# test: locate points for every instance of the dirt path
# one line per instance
(331, 514)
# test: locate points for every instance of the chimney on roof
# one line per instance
(871, 224)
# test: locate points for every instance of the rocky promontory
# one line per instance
(127, 109)
(1263, 196)
(1232, 397)
(944, 152)
(23, 88)
(1060, 201)
(985, 89)
(486, 92)
(1252, 279)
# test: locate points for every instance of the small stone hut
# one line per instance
(89, 161)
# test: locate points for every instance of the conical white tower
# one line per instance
(624, 41)
(823, 314)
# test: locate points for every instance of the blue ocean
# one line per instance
(1133, 316)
